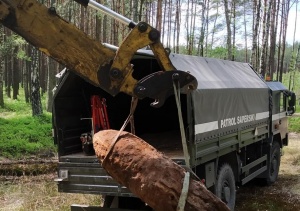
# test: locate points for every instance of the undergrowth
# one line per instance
(21, 134)
(294, 124)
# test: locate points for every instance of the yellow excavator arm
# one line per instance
(101, 66)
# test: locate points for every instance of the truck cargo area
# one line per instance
(158, 126)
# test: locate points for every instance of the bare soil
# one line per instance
(284, 194)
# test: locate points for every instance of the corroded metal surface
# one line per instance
(150, 175)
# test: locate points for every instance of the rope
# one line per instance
(132, 109)
(184, 192)
(183, 137)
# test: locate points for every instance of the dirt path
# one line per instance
(284, 194)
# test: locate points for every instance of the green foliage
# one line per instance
(15, 107)
(294, 121)
(11, 43)
(22, 55)
(218, 52)
(22, 135)
(294, 124)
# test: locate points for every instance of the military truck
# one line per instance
(235, 123)
(218, 118)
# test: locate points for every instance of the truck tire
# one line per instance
(225, 186)
(274, 164)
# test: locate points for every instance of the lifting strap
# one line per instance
(183, 137)
(134, 102)
(186, 182)
(184, 192)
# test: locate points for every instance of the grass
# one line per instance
(296, 160)
(294, 121)
(294, 124)
(40, 193)
(21, 134)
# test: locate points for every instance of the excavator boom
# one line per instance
(55, 37)
(101, 66)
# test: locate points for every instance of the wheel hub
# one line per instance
(226, 194)
(273, 166)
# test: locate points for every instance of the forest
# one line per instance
(254, 32)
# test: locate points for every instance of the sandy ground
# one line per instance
(284, 194)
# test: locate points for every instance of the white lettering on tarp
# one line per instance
(245, 118)
(228, 122)
(237, 120)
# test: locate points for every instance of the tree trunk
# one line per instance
(207, 3)
(295, 55)
(169, 24)
(202, 30)
(159, 15)
(15, 73)
(1, 67)
(273, 32)
(187, 25)
(265, 37)
(286, 10)
(36, 102)
(51, 83)
(141, 10)
(98, 26)
(104, 32)
(228, 26)
(256, 19)
(8, 67)
(134, 5)
(7, 64)
(279, 47)
(1, 82)
(150, 175)
(233, 30)
(43, 72)
(178, 23)
(245, 31)
(26, 74)
(214, 26)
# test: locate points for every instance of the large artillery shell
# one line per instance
(150, 175)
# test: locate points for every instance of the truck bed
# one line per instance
(84, 174)
(169, 143)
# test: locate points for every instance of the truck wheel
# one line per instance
(225, 186)
(273, 167)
